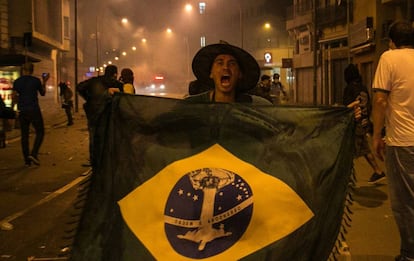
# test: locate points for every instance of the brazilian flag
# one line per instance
(174, 180)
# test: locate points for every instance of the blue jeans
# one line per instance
(35, 118)
(399, 162)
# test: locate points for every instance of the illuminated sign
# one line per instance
(268, 58)
(7, 78)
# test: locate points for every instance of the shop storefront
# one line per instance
(7, 76)
(10, 70)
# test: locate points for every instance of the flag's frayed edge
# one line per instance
(75, 215)
(341, 248)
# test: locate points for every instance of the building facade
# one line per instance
(37, 31)
(330, 34)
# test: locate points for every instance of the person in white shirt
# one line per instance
(393, 106)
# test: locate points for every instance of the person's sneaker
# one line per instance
(375, 178)
(401, 258)
(34, 160)
(88, 164)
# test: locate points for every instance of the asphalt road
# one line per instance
(37, 202)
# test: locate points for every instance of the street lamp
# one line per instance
(76, 56)
(268, 30)
(241, 24)
(188, 9)
(96, 37)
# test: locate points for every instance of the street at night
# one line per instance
(38, 201)
(260, 165)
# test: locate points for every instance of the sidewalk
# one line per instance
(373, 234)
(62, 153)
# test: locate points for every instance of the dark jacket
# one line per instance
(95, 93)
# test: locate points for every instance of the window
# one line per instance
(66, 31)
(202, 7)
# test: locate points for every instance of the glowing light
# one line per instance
(188, 8)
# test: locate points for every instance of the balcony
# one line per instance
(301, 15)
(41, 14)
(333, 15)
(298, 16)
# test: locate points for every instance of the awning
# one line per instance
(16, 59)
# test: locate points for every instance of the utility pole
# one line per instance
(315, 54)
(348, 13)
(241, 24)
(97, 46)
(76, 57)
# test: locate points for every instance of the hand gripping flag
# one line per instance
(180, 181)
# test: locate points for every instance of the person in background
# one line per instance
(262, 89)
(127, 78)
(197, 87)
(95, 91)
(355, 90)
(66, 97)
(231, 70)
(25, 90)
(277, 90)
(393, 105)
(2, 124)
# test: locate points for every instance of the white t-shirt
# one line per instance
(395, 74)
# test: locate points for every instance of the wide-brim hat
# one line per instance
(204, 58)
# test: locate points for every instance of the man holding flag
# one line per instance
(219, 176)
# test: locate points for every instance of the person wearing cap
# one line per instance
(278, 92)
(262, 89)
(25, 91)
(231, 70)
